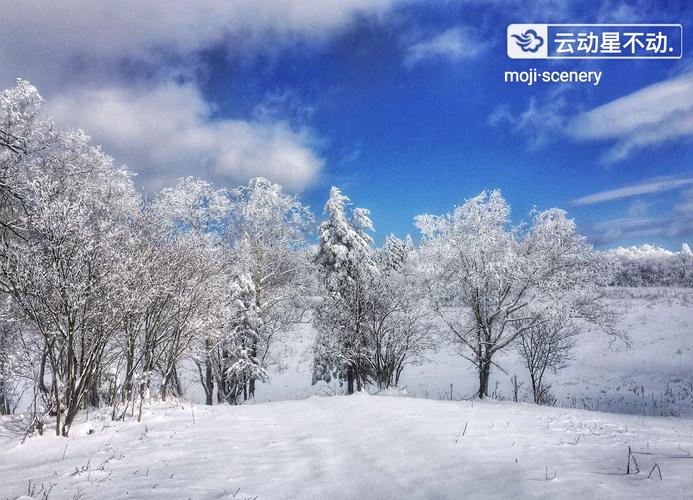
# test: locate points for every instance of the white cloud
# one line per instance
(539, 123)
(109, 67)
(649, 186)
(167, 132)
(44, 41)
(679, 225)
(639, 208)
(643, 221)
(677, 221)
(653, 115)
(454, 44)
(685, 204)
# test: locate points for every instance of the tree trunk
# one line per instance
(127, 387)
(222, 389)
(177, 384)
(206, 380)
(129, 369)
(209, 382)
(163, 391)
(350, 380)
(144, 391)
(484, 373)
(398, 373)
(146, 381)
(251, 378)
(251, 387)
(93, 398)
(536, 387)
(56, 395)
(4, 400)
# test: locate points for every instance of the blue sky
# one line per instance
(401, 104)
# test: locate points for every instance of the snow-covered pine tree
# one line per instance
(240, 361)
(345, 262)
(394, 252)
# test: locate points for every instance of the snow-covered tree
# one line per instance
(65, 270)
(11, 365)
(547, 345)
(489, 281)
(266, 237)
(27, 142)
(398, 327)
(395, 253)
(346, 266)
(238, 360)
(194, 215)
(186, 222)
(648, 265)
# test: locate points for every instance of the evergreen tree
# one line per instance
(346, 266)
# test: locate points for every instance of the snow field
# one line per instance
(355, 447)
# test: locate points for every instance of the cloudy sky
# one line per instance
(400, 103)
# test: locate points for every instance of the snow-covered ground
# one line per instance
(652, 376)
(357, 447)
(403, 447)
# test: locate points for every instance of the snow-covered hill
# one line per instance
(357, 447)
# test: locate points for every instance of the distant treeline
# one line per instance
(647, 265)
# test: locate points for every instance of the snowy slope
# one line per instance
(652, 376)
(357, 447)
